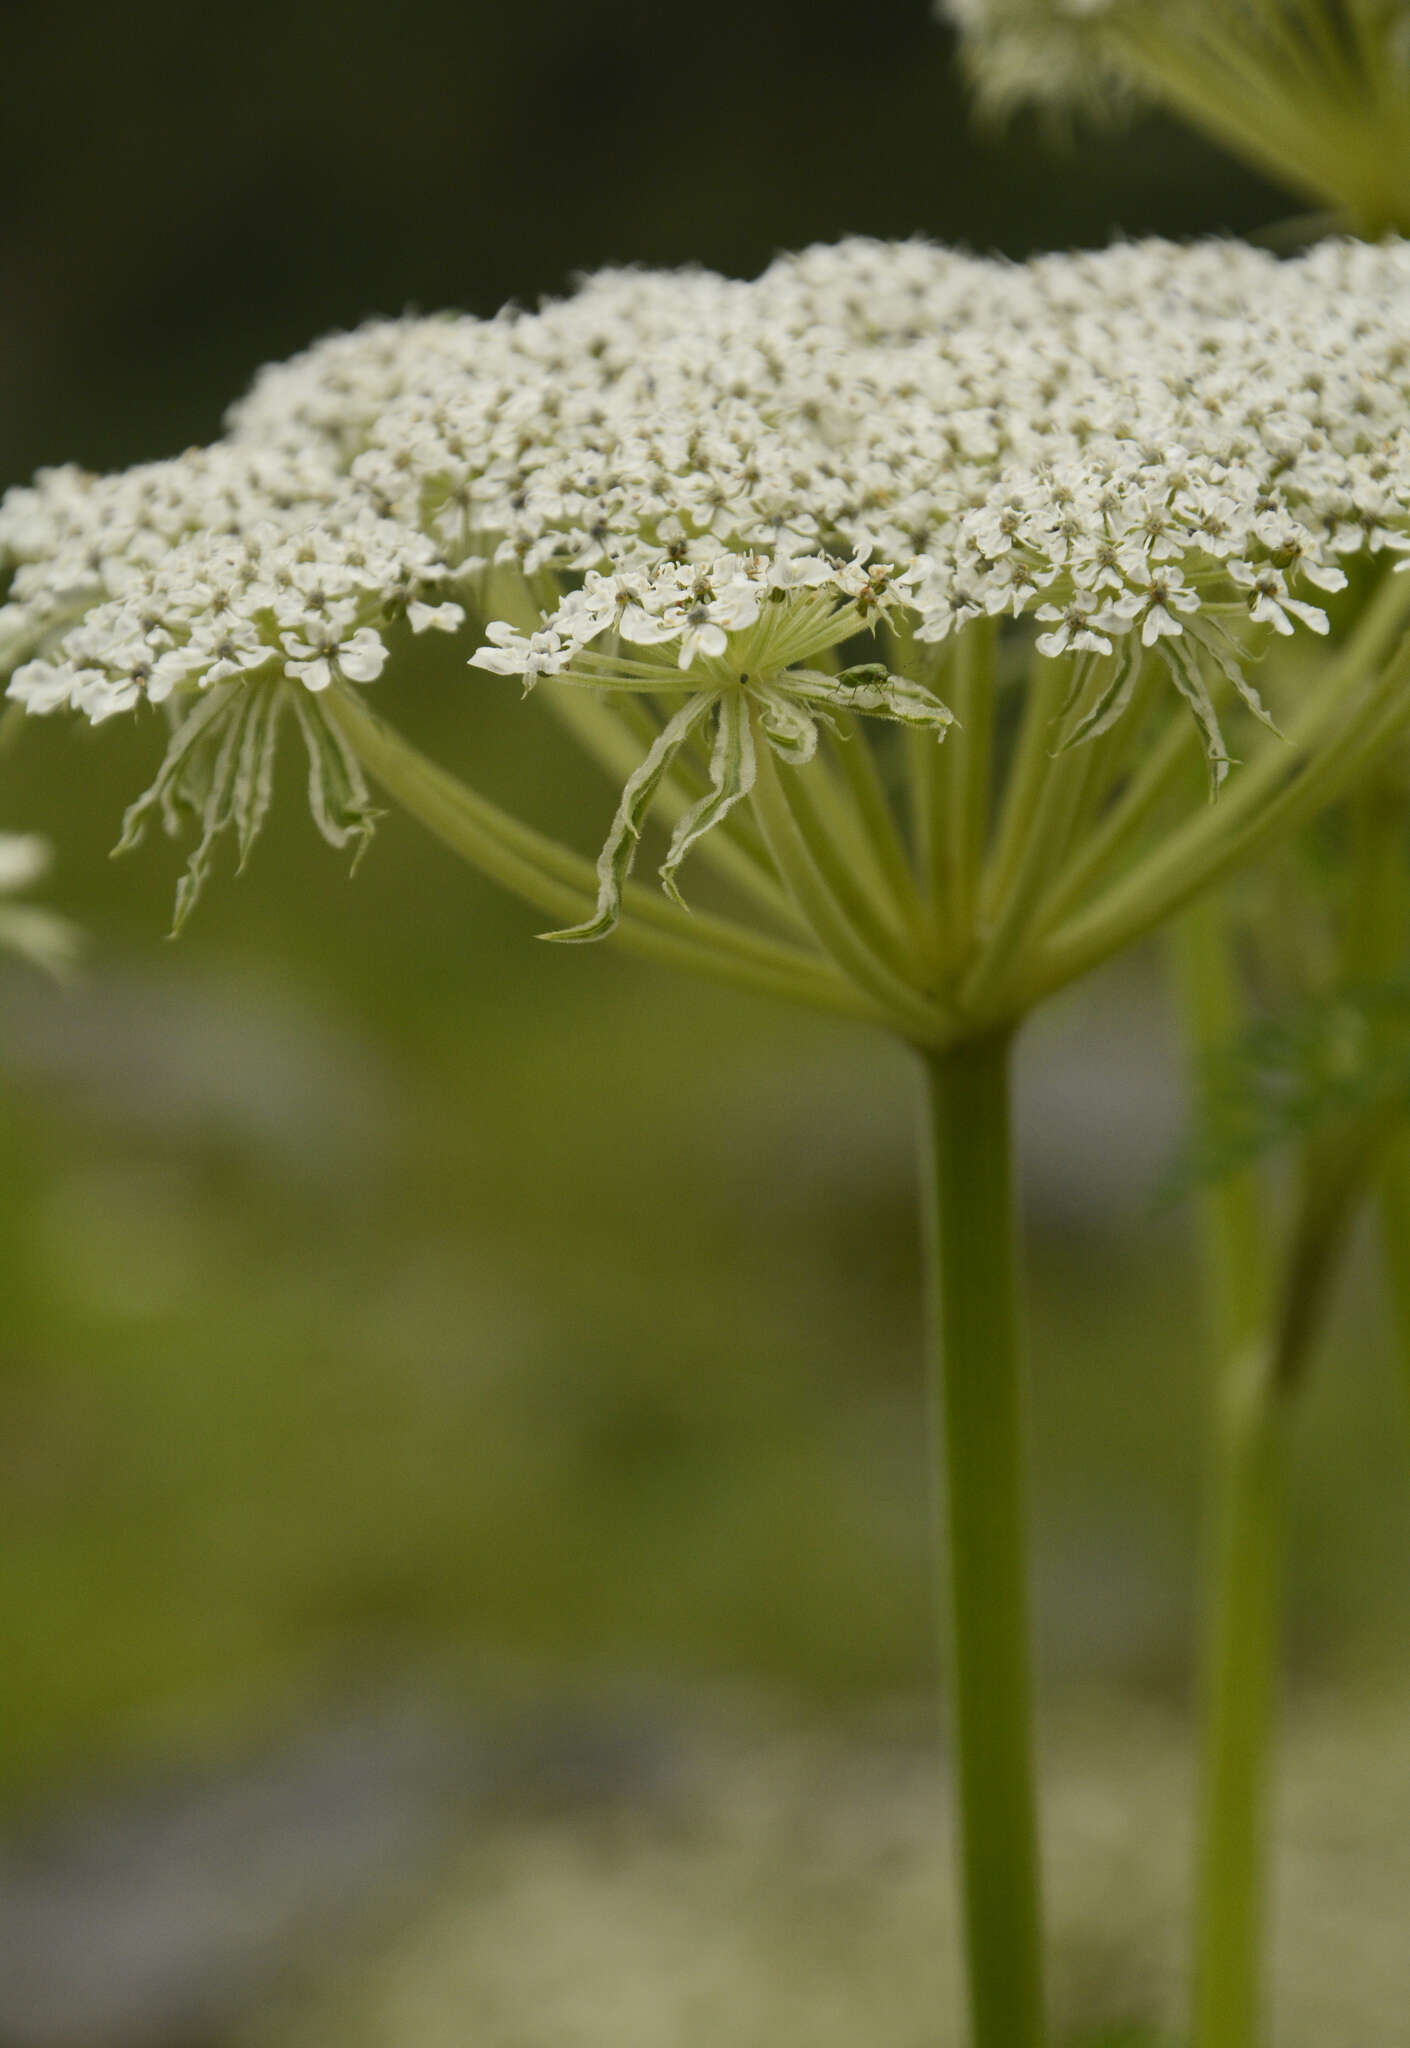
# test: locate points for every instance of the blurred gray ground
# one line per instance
(619, 1875)
(188, 1906)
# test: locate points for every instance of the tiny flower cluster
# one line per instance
(695, 489)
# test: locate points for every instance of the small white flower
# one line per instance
(529, 655)
(314, 658)
(445, 617)
(1269, 602)
(1073, 630)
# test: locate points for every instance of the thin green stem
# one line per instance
(1253, 1401)
(564, 884)
(831, 832)
(1166, 764)
(1042, 848)
(981, 1414)
(1231, 1213)
(857, 764)
(1243, 1569)
(1048, 685)
(1284, 788)
(815, 889)
(1264, 1334)
(956, 787)
(1241, 1561)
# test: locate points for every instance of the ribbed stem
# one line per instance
(972, 1270)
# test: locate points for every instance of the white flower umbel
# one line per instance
(927, 597)
(1317, 92)
(734, 520)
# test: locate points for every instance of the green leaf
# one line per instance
(790, 728)
(254, 777)
(614, 863)
(1184, 666)
(1335, 1060)
(1215, 641)
(338, 795)
(869, 688)
(165, 792)
(732, 771)
(1111, 701)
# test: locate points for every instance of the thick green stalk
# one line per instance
(972, 1272)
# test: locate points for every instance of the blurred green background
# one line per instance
(395, 1309)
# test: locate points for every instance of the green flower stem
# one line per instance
(930, 773)
(1042, 849)
(1241, 1562)
(828, 813)
(830, 830)
(1243, 1569)
(615, 742)
(564, 884)
(968, 768)
(856, 760)
(1253, 1404)
(951, 787)
(1028, 776)
(972, 1275)
(1167, 764)
(1284, 788)
(815, 888)
(1231, 1218)
(1264, 1335)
